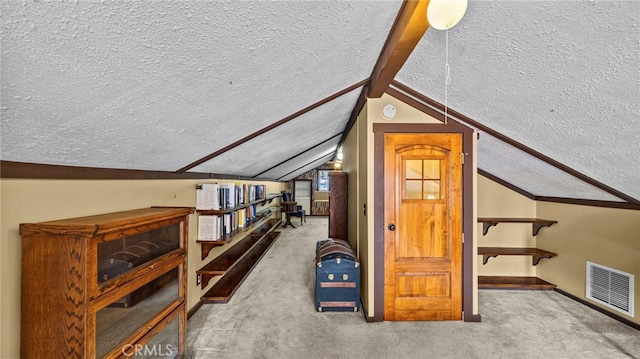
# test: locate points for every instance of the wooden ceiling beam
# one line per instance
(410, 26)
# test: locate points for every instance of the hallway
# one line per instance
(272, 315)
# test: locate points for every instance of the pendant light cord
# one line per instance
(447, 75)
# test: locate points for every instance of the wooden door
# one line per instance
(423, 226)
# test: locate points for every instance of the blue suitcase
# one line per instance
(337, 277)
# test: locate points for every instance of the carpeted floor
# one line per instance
(273, 315)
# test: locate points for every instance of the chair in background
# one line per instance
(291, 209)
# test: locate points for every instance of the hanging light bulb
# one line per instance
(445, 14)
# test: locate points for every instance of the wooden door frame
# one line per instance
(379, 129)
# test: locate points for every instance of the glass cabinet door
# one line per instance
(123, 255)
(118, 320)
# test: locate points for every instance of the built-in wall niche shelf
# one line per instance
(535, 253)
(512, 282)
(207, 245)
(536, 223)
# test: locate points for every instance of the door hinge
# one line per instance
(463, 237)
(462, 155)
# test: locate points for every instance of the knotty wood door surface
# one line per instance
(423, 226)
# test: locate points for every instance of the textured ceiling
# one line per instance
(306, 133)
(561, 77)
(157, 85)
(531, 174)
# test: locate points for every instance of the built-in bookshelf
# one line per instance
(225, 208)
(228, 212)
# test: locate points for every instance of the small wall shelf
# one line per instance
(535, 253)
(512, 282)
(536, 223)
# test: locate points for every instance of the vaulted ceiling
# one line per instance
(266, 89)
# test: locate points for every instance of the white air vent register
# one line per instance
(610, 287)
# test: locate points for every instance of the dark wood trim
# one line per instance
(468, 224)
(367, 318)
(306, 164)
(467, 209)
(292, 157)
(10, 169)
(457, 115)
(193, 310)
(589, 202)
(415, 104)
(378, 225)
(272, 126)
(600, 309)
(409, 27)
(577, 201)
(506, 184)
(362, 99)
(474, 318)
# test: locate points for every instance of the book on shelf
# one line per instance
(242, 216)
(208, 228)
(227, 195)
(207, 197)
(227, 223)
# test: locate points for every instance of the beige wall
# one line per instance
(360, 171)
(606, 236)
(41, 200)
(404, 114)
(495, 200)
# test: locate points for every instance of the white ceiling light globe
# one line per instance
(445, 14)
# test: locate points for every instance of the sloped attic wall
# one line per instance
(560, 77)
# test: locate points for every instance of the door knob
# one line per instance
(392, 227)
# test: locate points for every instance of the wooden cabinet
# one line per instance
(338, 194)
(105, 286)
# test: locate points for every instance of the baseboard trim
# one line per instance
(193, 310)
(473, 318)
(599, 309)
(369, 319)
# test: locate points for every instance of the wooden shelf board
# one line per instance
(536, 253)
(514, 220)
(224, 289)
(536, 223)
(213, 212)
(206, 245)
(220, 264)
(499, 282)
